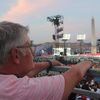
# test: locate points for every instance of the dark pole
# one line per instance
(64, 47)
(81, 48)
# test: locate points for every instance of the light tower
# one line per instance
(56, 20)
(81, 38)
(65, 38)
(93, 37)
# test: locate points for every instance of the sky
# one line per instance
(33, 13)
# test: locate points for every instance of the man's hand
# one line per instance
(56, 63)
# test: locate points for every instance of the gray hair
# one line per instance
(11, 35)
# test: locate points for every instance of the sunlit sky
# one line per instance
(77, 16)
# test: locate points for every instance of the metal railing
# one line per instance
(93, 72)
(93, 95)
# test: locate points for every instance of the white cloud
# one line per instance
(25, 7)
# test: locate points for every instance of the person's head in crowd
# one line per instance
(15, 49)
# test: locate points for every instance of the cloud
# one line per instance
(25, 7)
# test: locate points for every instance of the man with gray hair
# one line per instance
(17, 68)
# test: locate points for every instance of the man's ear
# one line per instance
(15, 55)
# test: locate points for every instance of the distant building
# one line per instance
(74, 48)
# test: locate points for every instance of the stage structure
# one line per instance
(57, 22)
(93, 37)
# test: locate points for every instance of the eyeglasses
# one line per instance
(30, 45)
(26, 46)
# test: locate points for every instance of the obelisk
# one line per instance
(93, 37)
